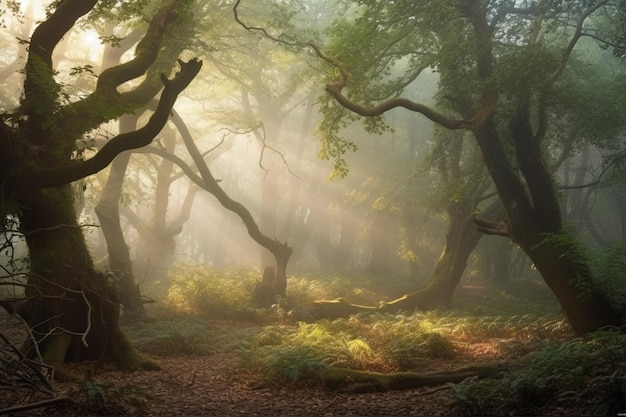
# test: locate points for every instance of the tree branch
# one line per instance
(578, 32)
(336, 89)
(41, 178)
(87, 113)
(39, 85)
(493, 228)
(210, 184)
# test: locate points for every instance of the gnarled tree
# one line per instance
(507, 60)
(499, 63)
(72, 308)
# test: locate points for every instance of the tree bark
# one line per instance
(74, 308)
(76, 314)
(536, 227)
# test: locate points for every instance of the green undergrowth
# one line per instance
(209, 311)
(183, 334)
(383, 342)
(227, 293)
(201, 290)
(585, 374)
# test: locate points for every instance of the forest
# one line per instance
(313, 208)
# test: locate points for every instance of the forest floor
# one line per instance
(214, 383)
(206, 386)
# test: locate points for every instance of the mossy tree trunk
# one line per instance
(72, 308)
(534, 223)
(355, 381)
(527, 190)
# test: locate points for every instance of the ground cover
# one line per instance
(234, 359)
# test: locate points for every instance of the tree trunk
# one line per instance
(534, 223)
(381, 243)
(73, 309)
(461, 239)
(355, 381)
(281, 251)
(108, 213)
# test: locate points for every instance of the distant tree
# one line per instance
(72, 308)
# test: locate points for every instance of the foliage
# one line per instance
(203, 290)
(162, 337)
(587, 371)
(388, 342)
(610, 266)
(293, 364)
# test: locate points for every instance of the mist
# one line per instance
(312, 208)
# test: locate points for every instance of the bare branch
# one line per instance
(604, 41)
(42, 403)
(276, 151)
(58, 226)
(578, 32)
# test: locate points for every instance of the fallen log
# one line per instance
(354, 381)
(422, 300)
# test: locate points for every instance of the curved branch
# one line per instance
(50, 32)
(604, 41)
(146, 51)
(41, 178)
(85, 114)
(210, 184)
(615, 161)
(39, 84)
(578, 33)
(336, 89)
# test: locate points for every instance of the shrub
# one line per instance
(582, 372)
(220, 293)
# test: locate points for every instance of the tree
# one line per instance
(504, 92)
(499, 64)
(72, 308)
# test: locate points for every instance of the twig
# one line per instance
(44, 229)
(43, 403)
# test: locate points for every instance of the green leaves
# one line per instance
(333, 144)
